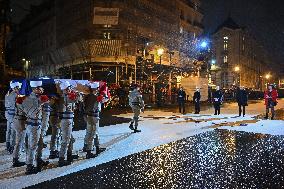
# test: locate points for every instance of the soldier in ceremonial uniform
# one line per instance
(137, 104)
(10, 102)
(92, 106)
(19, 127)
(32, 107)
(66, 114)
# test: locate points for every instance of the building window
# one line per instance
(226, 59)
(181, 15)
(181, 29)
(226, 43)
(106, 35)
(243, 44)
(107, 26)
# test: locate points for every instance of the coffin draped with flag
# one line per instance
(51, 86)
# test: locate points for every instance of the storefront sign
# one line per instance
(106, 16)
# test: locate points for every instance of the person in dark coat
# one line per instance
(196, 100)
(181, 100)
(121, 92)
(217, 100)
(242, 100)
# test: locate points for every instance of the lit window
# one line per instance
(243, 44)
(106, 35)
(225, 46)
(225, 59)
(226, 43)
(181, 29)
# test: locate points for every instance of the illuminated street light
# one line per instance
(237, 69)
(213, 67)
(204, 44)
(267, 76)
(160, 51)
(23, 59)
(213, 62)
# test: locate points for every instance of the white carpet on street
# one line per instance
(120, 142)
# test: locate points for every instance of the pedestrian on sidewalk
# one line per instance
(196, 100)
(242, 100)
(136, 102)
(181, 100)
(270, 97)
(217, 100)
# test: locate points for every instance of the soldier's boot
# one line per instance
(11, 149)
(8, 146)
(71, 157)
(54, 154)
(136, 130)
(44, 145)
(62, 162)
(131, 126)
(266, 116)
(31, 170)
(41, 163)
(90, 155)
(85, 148)
(17, 163)
(99, 150)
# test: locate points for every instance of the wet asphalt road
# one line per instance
(215, 159)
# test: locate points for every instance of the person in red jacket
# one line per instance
(270, 97)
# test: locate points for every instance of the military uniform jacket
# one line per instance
(66, 107)
(135, 99)
(20, 114)
(54, 107)
(46, 107)
(32, 107)
(92, 106)
(10, 102)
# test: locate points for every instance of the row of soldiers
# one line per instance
(28, 118)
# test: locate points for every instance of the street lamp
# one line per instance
(26, 66)
(267, 77)
(204, 44)
(237, 70)
(160, 52)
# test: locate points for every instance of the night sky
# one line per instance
(21, 8)
(264, 19)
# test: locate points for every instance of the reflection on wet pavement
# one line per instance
(279, 115)
(215, 159)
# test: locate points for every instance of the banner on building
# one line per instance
(106, 16)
